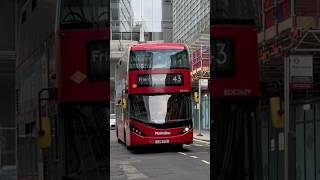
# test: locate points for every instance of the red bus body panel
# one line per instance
(176, 136)
(247, 70)
(163, 46)
(73, 59)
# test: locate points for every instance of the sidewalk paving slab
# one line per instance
(205, 138)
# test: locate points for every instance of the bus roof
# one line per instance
(158, 46)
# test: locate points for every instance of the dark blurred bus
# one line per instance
(62, 90)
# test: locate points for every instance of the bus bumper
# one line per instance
(186, 138)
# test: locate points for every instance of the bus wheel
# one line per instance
(119, 141)
(117, 132)
(125, 141)
(129, 147)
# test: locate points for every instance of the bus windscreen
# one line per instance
(160, 109)
(159, 59)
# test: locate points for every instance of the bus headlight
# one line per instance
(135, 130)
(186, 129)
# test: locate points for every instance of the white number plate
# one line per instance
(161, 141)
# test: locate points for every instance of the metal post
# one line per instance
(286, 116)
(1, 147)
(199, 115)
(196, 113)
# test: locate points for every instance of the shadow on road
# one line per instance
(149, 149)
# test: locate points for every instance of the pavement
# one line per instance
(204, 139)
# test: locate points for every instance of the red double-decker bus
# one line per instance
(153, 92)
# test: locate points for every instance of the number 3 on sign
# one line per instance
(222, 55)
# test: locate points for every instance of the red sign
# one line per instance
(234, 50)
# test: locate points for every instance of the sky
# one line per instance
(149, 11)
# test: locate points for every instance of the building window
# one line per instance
(135, 36)
(114, 15)
(126, 36)
(116, 36)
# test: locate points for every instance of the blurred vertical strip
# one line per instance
(7, 90)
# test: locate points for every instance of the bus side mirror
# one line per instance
(124, 103)
(277, 113)
(196, 97)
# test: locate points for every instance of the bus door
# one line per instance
(126, 108)
(124, 116)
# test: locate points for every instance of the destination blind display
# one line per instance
(98, 60)
(159, 80)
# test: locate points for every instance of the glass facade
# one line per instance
(306, 156)
(121, 15)
(126, 27)
(307, 123)
(205, 112)
(190, 18)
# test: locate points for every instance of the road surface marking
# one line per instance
(197, 144)
(194, 157)
(205, 161)
(130, 171)
(182, 153)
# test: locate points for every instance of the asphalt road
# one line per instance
(159, 162)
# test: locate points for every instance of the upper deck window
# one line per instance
(232, 11)
(84, 13)
(159, 59)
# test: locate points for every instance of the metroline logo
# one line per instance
(237, 92)
(162, 133)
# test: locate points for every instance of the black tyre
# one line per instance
(119, 141)
(177, 147)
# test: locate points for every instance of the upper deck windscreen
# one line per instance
(232, 11)
(84, 13)
(158, 59)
